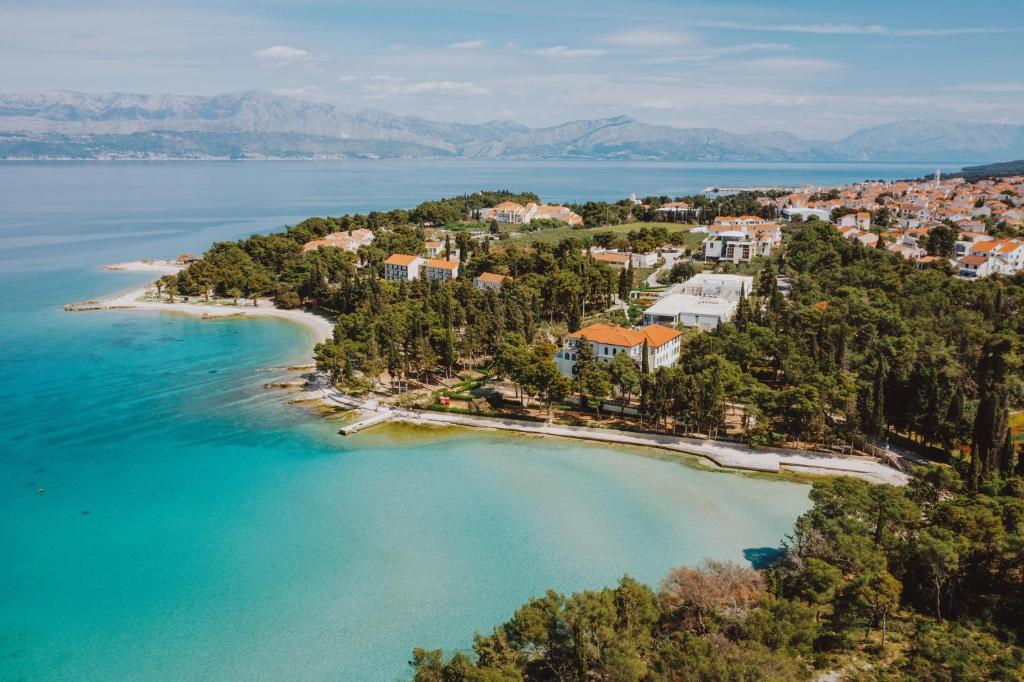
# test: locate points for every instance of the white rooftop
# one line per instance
(677, 304)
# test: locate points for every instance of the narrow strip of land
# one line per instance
(769, 460)
(320, 327)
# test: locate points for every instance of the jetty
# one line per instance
(366, 422)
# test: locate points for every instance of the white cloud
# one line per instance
(295, 92)
(848, 29)
(283, 53)
(446, 86)
(656, 104)
(650, 38)
(390, 85)
(564, 52)
(369, 79)
(790, 67)
(992, 87)
(468, 45)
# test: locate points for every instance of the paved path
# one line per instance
(770, 460)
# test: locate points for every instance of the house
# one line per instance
(347, 241)
(510, 212)
(608, 341)
(618, 261)
(975, 266)
(674, 210)
(401, 266)
(489, 281)
(860, 220)
(441, 270)
(735, 246)
(433, 248)
(644, 260)
(733, 222)
(716, 285)
(703, 312)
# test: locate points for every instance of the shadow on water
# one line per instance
(762, 557)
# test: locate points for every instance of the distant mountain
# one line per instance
(254, 124)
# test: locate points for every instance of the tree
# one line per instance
(594, 386)
(330, 359)
(939, 551)
(551, 385)
(625, 282)
(170, 285)
(625, 377)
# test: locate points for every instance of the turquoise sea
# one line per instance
(164, 517)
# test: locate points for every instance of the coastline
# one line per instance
(319, 328)
(723, 455)
(372, 413)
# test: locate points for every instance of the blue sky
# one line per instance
(819, 69)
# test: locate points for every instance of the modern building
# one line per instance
(401, 266)
(702, 312)
(490, 281)
(734, 246)
(717, 285)
(608, 341)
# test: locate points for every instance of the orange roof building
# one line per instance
(608, 341)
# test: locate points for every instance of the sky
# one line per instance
(820, 69)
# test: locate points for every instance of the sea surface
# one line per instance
(165, 517)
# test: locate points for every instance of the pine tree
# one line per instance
(740, 319)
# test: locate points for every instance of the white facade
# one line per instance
(663, 346)
(703, 312)
(402, 267)
(734, 246)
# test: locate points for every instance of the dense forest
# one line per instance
(863, 348)
(924, 582)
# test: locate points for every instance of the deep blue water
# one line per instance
(193, 526)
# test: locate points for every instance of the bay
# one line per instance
(162, 516)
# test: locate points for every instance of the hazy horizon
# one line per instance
(818, 70)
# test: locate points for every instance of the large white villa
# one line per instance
(608, 341)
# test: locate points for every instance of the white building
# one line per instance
(347, 241)
(490, 281)
(663, 346)
(716, 284)
(703, 312)
(974, 266)
(516, 214)
(401, 266)
(441, 270)
(734, 246)
(805, 213)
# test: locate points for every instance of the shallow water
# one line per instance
(192, 526)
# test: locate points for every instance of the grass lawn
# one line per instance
(1017, 426)
(555, 235)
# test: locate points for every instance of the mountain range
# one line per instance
(254, 125)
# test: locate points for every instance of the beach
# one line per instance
(320, 328)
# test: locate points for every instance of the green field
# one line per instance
(557, 234)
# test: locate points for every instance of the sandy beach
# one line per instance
(320, 328)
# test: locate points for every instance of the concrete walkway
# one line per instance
(769, 460)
